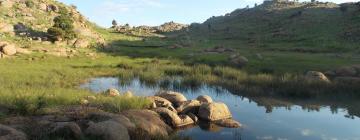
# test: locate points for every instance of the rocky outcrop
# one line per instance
(107, 130)
(214, 111)
(317, 76)
(8, 133)
(174, 97)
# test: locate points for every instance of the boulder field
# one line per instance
(168, 111)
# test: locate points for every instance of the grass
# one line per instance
(30, 86)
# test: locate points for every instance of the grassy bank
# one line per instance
(28, 87)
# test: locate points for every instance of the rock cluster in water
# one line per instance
(177, 111)
(169, 110)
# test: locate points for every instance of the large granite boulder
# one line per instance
(191, 106)
(214, 111)
(7, 49)
(107, 130)
(147, 122)
(161, 102)
(174, 119)
(174, 97)
(66, 130)
(204, 99)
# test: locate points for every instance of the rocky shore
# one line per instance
(168, 112)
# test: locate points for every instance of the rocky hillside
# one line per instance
(299, 24)
(25, 23)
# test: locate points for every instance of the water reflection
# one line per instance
(263, 118)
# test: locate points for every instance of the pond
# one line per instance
(262, 118)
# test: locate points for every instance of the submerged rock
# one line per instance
(230, 123)
(214, 111)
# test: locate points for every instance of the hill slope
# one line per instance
(23, 21)
(286, 23)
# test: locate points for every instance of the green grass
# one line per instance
(30, 86)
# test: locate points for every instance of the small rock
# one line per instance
(111, 92)
(239, 61)
(81, 43)
(204, 99)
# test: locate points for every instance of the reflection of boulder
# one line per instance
(207, 126)
(230, 123)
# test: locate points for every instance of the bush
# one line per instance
(29, 3)
(62, 29)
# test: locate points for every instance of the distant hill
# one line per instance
(288, 23)
(22, 21)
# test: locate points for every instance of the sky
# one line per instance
(156, 12)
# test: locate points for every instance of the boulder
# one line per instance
(8, 49)
(204, 99)
(174, 97)
(6, 28)
(128, 94)
(107, 130)
(191, 106)
(317, 76)
(239, 61)
(43, 6)
(99, 116)
(174, 119)
(111, 92)
(81, 43)
(8, 133)
(230, 123)
(20, 28)
(66, 130)
(214, 111)
(148, 122)
(6, 3)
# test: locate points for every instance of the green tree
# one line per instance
(63, 28)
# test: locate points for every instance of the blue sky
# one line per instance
(156, 12)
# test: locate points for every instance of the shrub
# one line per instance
(29, 3)
(62, 29)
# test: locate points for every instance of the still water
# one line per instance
(262, 118)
